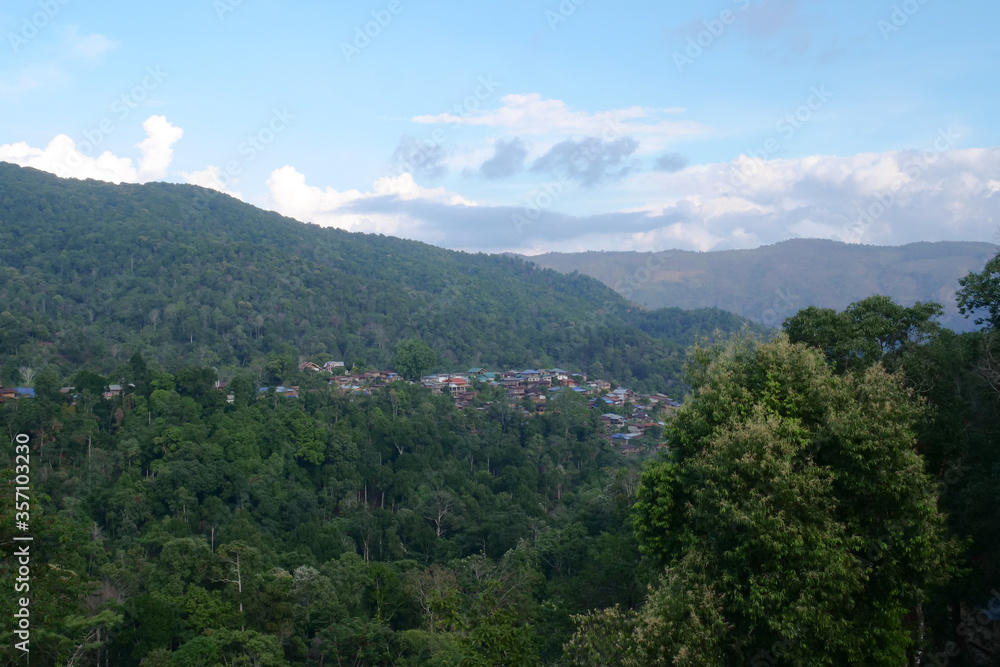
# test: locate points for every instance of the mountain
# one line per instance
(770, 283)
(92, 272)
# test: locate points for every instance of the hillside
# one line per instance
(770, 283)
(91, 273)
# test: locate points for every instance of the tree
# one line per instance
(981, 291)
(806, 517)
(413, 357)
(867, 332)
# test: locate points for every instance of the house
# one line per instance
(7, 392)
(612, 419)
(331, 366)
(311, 366)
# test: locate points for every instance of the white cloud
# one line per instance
(886, 198)
(292, 196)
(534, 116)
(157, 148)
(63, 158)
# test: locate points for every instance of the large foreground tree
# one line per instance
(794, 519)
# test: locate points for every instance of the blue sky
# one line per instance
(529, 125)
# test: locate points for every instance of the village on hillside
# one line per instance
(627, 416)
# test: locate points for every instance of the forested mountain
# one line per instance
(93, 272)
(823, 496)
(770, 283)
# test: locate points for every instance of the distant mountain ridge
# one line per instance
(770, 283)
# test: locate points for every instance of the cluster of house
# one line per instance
(10, 393)
(7, 393)
(534, 386)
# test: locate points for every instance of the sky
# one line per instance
(529, 125)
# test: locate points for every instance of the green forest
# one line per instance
(828, 495)
(92, 272)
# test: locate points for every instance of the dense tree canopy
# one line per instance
(796, 511)
(825, 497)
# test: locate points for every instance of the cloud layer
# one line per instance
(877, 198)
(64, 158)
(884, 198)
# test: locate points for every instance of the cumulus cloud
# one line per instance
(671, 162)
(590, 161)
(508, 159)
(63, 158)
(158, 147)
(424, 158)
(878, 198)
(328, 207)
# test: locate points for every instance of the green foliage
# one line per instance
(655, 513)
(807, 515)
(981, 292)
(382, 529)
(874, 330)
(413, 357)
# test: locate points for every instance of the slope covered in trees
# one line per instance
(92, 272)
(827, 497)
(173, 528)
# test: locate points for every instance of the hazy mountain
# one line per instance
(770, 283)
